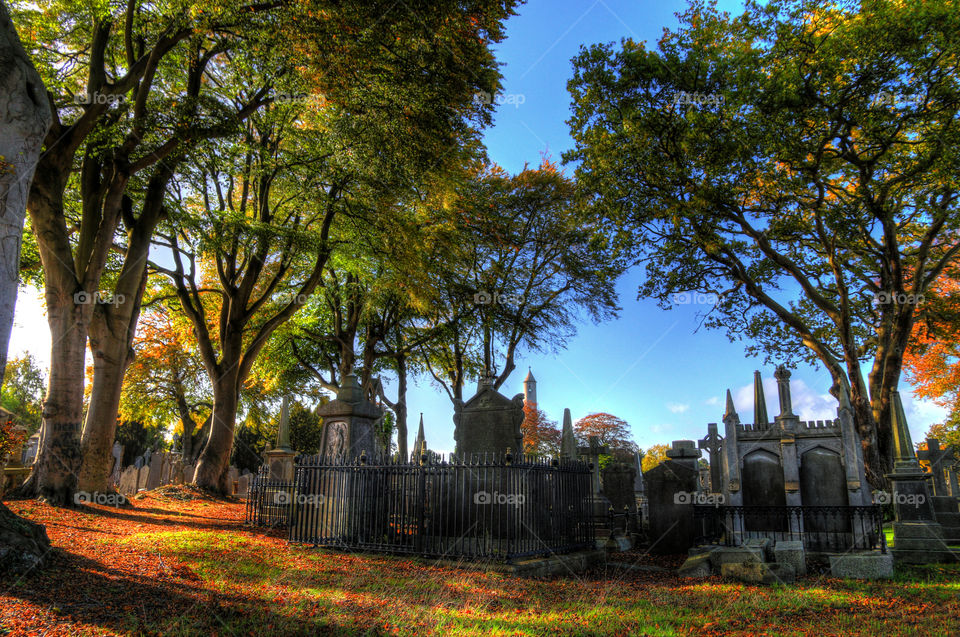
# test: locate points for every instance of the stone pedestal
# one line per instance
(348, 423)
(488, 423)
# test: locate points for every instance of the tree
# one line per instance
(22, 392)
(611, 431)
(528, 267)
(25, 118)
(932, 360)
(654, 456)
(166, 382)
(809, 191)
(541, 436)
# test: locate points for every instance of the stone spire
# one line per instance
(730, 411)
(568, 443)
(905, 456)
(420, 443)
(283, 432)
(759, 402)
(783, 390)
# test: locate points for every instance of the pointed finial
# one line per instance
(759, 401)
(783, 389)
(731, 410)
(283, 431)
(568, 443)
(904, 454)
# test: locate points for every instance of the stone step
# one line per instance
(945, 556)
(948, 519)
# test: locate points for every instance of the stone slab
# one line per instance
(696, 566)
(872, 565)
(735, 555)
(759, 572)
(791, 552)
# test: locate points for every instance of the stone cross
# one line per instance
(939, 459)
(712, 443)
(593, 451)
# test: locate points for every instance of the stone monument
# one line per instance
(280, 458)
(488, 423)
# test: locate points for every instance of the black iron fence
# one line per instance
(487, 507)
(820, 528)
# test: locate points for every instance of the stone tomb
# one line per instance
(792, 463)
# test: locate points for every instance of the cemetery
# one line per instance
(271, 272)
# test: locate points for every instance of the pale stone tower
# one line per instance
(530, 392)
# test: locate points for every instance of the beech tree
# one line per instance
(611, 431)
(798, 164)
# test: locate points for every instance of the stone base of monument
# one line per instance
(791, 552)
(921, 543)
(866, 565)
(946, 510)
(748, 563)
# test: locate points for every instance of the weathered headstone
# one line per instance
(117, 453)
(618, 482)
(128, 480)
(233, 475)
(938, 458)
(143, 474)
(243, 485)
(154, 476)
(489, 422)
(670, 490)
(188, 473)
(712, 443)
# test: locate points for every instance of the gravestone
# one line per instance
(143, 473)
(712, 443)
(233, 475)
(189, 470)
(280, 459)
(177, 471)
(30, 450)
(166, 470)
(670, 490)
(128, 480)
(243, 485)
(348, 423)
(917, 536)
(489, 422)
(568, 442)
(938, 459)
(618, 483)
(117, 453)
(945, 506)
(138, 462)
(154, 476)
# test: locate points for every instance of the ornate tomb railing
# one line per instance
(485, 507)
(820, 528)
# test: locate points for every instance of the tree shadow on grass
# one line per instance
(173, 518)
(76, 593)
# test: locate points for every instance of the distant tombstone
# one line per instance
(233, 475)
(243, 485)
(939, 459)
(189, 470)
(670, 489)
(489, 422)
(30, 452)
(117, 452)
(166, 471)
(155, 471)
(176, 471)
(138, 462)
(128, 480)
(618, 482)
(143, 473)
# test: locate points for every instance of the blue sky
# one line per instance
(651, 367)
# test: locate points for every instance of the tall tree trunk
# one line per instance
(111, 357)
(401, 407)
(56, 470)
(215, 457)
(25, 118)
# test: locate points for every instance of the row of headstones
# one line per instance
(167, 468)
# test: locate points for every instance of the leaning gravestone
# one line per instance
(128, 480)
(143, 473)
(671, 488)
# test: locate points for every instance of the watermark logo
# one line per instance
(306, 99)
(695, 298)
(486, 298)
(511, 99)
(106, 499)
(287, 298)
(683, 98)
(907, 499)
(485, 497)
(98, 98)
(86, 298)
(886, 98)
(897, 298)
(284, 498)
(686, 497)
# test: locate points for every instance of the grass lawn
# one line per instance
(176, 566)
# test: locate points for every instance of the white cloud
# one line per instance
(808, 404)
(677, 408)
(713, 400)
